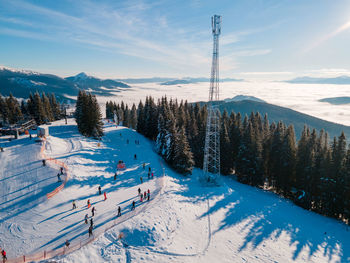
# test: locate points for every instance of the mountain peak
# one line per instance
(81, 76)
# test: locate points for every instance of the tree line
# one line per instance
(88, 115)
(312, 172)
(40, 108)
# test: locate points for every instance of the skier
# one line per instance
(90, 231)
(148, 191)
(59, 178)
(139, 190)
(99, 190)
(91, 222)
(133, 205)
(104, 193)
(149, 175)
(119, 211)
(115, 176)
(149, 168)
(141, 179)
(74, 205)
(135, 157)
(86, 218)
(93, 211)
(141, 198)
(61, 170)
(144, 195)
(44, 162)
(143, 166)
(152, 175)
(67, 243)
(148, 197)
(4, 257)
(30, 136)
(88, 203)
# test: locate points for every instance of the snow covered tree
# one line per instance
(88, 115)
(183, 158)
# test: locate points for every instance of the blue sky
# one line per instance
(260, 38)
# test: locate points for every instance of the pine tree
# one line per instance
(225, 149)
(141, 118)
(38, 109)
(133, 117)
(96, 116)
(235, 136)
(24, 108)
(13, 109)
(126, 115)
(288, 162)
(30, 105)
(55, 107)
(47, 108)
(183, 159)
(4, 114)
(346, 188)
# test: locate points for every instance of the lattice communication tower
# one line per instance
(211, 163)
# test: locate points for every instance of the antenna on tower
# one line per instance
(211, 163)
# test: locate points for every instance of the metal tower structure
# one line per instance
(211, 163)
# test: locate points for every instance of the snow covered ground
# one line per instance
(188, 222)
(30, 222)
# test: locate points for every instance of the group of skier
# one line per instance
(144, 195)
(150, 173)
(58, 174)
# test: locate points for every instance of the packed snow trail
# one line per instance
(248, 225)
(50, 222)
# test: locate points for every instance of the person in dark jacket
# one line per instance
(90, 231)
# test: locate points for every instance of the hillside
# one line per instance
(288, 116)
(20, 83)
(187, 222)
(342, 80)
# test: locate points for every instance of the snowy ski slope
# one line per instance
(187, 223)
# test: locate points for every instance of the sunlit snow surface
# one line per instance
(300, 97)
(186, 223)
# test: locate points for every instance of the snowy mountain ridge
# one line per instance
(22, 71)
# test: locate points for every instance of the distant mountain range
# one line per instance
(20, 83)
(342, 80)
(172, 81)
(336, 100)
(277, 113)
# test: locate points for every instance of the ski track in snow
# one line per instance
(185, 223)
(53, 219)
